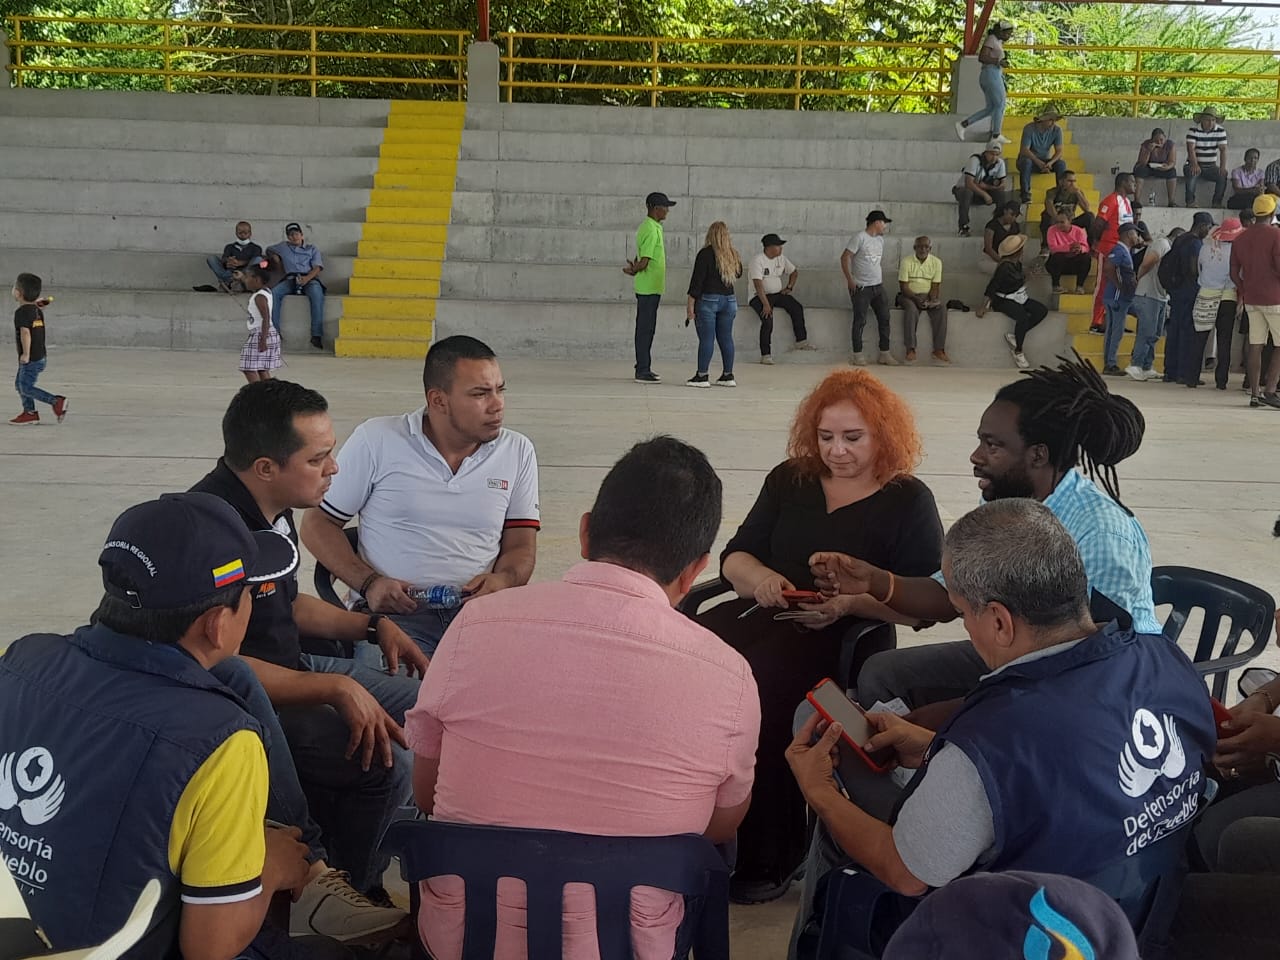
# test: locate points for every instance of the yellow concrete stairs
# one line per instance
(395, 280)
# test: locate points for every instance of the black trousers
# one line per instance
(1077, 263)
(1025, 316)
(779, 301)
(1192, 360)
(646, 326)
(873, 297)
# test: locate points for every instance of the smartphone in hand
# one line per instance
(831, 703)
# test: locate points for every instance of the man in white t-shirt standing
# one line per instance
(445, 497)
(772, 277)
(861, 265)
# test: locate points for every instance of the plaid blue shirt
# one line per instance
(1112, 544)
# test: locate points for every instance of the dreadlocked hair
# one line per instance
(1070, 410)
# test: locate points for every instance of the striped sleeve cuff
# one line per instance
(230, 893)
(334, 512)
(512, 522)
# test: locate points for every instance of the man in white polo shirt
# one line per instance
(444, 496)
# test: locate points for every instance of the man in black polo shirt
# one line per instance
(346, 759)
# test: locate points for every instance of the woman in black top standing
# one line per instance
(713, 305)
(846, 480)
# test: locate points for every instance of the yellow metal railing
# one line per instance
(1078, 78)
(180, 54)
(664, 70)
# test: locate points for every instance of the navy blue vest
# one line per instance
(99, 734)
(1090, 758)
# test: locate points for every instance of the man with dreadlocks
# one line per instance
(1031, 440)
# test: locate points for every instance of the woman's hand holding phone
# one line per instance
(769, 591)
(824, 612)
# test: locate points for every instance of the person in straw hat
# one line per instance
(1206, 156)
(1007, 292)
(1040, 150)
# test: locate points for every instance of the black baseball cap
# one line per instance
(290, 227)
(771, 240)
(1130, 227)
(658, 200)
(1003, 914)
(184, 548)
(1203, 218)
(875, 215)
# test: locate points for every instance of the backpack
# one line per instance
(1170, 271)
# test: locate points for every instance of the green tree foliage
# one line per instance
(830, 60)
(1190, 69)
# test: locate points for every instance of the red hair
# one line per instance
(898, 446)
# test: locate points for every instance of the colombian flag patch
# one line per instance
(228, 573)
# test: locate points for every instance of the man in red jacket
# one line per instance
(1114, 210)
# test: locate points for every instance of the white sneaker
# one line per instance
(858, 359)
(804, 345)
(1003, 139)
(1012, 341)
(1135, 373)
(960, 129)
(887, 359)
(331, 907)
(1021, 360)
(767, 360)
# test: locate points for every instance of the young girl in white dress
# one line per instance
(261, 351)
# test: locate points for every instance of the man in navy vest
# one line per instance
(122, 759)
(1081, 751)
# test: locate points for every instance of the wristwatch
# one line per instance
(371, 631)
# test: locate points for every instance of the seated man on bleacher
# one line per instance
(1081, 751)
(122, 759)
(445, 497)
(984, 180)
(1040, 150)
(339, 769)
(302, 265)
(590, 705)
(235, 255)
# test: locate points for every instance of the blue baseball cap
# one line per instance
(1014, 914)
(184, 548)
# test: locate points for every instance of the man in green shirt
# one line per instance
(650, 271)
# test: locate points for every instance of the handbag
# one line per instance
(1204, 313)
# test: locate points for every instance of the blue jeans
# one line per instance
(424, 626)
(214, 263)
(314, 291)
(25, 384)
(340, 808)
(1116, 313)
(646, 326)
(1026, 170)
(714, 323)
(1151, 315)
(991, 80)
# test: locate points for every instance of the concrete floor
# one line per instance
(147, 422)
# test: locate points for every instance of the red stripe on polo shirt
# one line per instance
(532, 524)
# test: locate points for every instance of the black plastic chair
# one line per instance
(548, 859)
(1247, 608)
(703, 593)
(324, 580)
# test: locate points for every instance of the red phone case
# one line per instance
(801, 596)
(1220, 713)
(856, 747)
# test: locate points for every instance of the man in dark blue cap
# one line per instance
(123, 759)
(302, 265)
(650, 271)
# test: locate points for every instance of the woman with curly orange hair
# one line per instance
(847, 480)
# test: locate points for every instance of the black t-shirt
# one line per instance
(272, 634)
(1008, 278)
(706, 276)
(242, 251)
(32, 317)
(1000, 233)
(896, 528)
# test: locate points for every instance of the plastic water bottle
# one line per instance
(440, 597)
(1151, 199)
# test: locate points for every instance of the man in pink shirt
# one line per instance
(591, 705)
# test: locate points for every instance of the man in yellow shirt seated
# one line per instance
(920, 289)
(122, 759)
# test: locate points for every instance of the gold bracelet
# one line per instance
(889, 596)
(1271, 705)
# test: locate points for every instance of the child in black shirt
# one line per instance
(28, 331)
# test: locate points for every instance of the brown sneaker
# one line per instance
(60, 408)
(940, 356)
(26, 417)
(911, 356)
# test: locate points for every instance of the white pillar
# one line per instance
(483, 70)
(966, 95)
